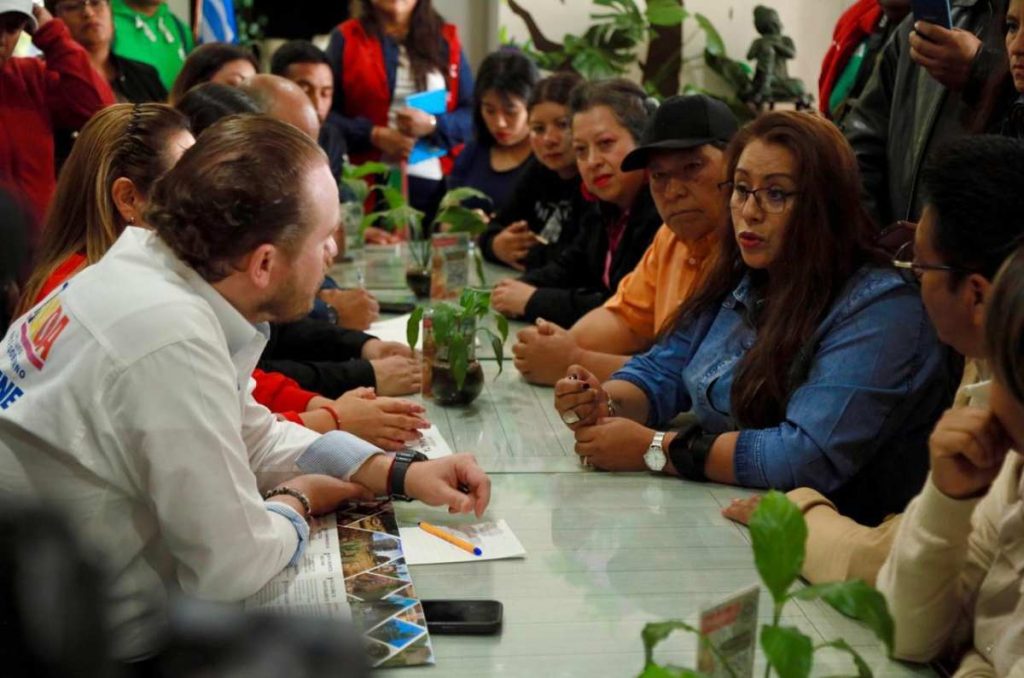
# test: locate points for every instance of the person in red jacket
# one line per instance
(396, 48)
(61, 91)
(859, 35)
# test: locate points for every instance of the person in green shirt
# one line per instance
(147, 31)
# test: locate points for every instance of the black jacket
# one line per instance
(550, 205)
(321, 357)
(572, 284)
(904, 114)
(136, 82)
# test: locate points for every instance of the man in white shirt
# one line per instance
(124, 396)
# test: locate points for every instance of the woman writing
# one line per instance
(803, 359)
(608, 118)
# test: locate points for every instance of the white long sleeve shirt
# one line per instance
(125, 399)
(955, 577)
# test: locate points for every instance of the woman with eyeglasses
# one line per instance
(804, 359)
(91, 23)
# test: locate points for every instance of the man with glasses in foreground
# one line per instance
(970, 224)
(92, 26)
(683, 152)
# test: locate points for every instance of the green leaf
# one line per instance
(441, 323)
(656, 632)
(712, 38)
(665, 12)
(478, 262)
(462, 220)
(502, 322)
(778, 533)
(392, 196)
(457, 196)
(788, 651)
(859, 601)
(368, 169)
(863, 670)
(458, 358)
(412, 328)
(497, 345)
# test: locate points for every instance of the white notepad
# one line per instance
(431, 443)
(494, 538)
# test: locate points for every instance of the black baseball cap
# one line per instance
(684, 121)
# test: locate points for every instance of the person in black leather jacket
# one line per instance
(925, 90)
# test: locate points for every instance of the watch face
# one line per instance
(655, 459)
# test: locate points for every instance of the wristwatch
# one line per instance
(654, 457)
(399, 467)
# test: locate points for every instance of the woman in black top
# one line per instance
(546, 200)
(614, 232)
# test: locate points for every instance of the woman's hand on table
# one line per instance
(357, 309)
(741, 510)
(397, 375)
(388, 423)
(511, 296)
(614, 444)
(543, 353)
(579, 398)
(440, 482)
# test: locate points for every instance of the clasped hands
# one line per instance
(603, 441)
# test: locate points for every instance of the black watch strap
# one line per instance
(689, 452)
(399, 468)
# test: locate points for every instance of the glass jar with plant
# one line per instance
(778, 533)
(452, 215)
(456, 377)
(355, 189)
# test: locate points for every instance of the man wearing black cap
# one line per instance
(683, 152)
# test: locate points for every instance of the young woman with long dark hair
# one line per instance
(806, 359)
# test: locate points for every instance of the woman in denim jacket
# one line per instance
(804, 360)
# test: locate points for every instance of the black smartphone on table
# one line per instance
(463, 617)
(933, 11)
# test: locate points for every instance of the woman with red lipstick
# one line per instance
(494, 161)
(541, 216)
(608, 118)
(805, 359)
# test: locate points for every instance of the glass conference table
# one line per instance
(606, 554)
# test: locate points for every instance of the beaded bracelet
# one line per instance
(292, 492)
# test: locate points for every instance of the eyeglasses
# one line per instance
(78, 6)
(911, 271)
(770, 199)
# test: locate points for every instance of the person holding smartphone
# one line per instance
(925, 90)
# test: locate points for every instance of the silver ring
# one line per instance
(570, 417)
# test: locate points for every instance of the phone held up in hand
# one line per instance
(934, 12)
(463, 617)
